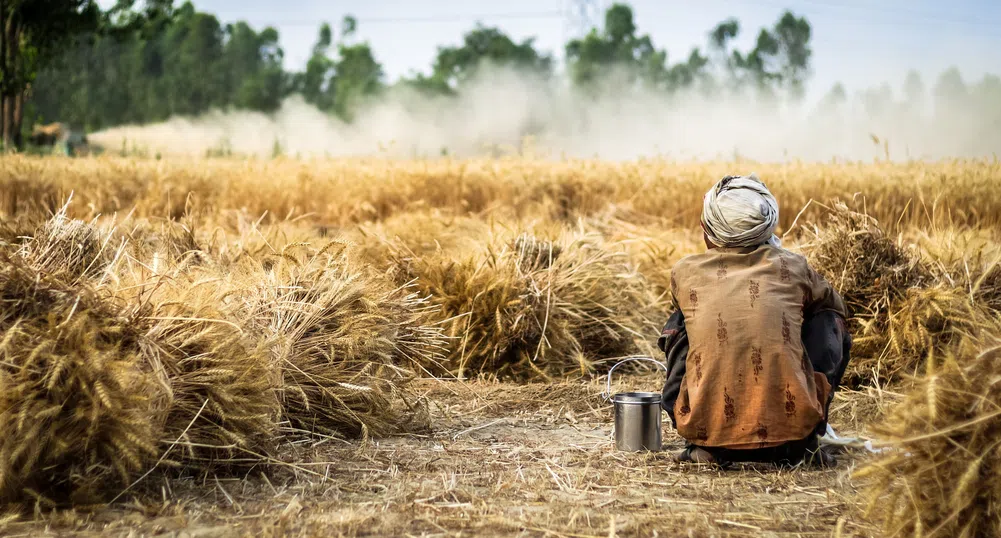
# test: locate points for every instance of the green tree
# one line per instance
(793, 35)
(194, 75)
(33, 33)
(950, 86)
(337, 84)
(593, 57)
(312, 84)
(457, 64)
(147, 63)
(253, 67)
(780, 57)
(149, 60)
(356, 72)
(356, 75)
(691, 72)
(759, 62)
(730, 59)
(617, 50)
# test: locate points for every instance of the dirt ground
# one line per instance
(502, 460)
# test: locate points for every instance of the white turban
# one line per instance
(739, 211)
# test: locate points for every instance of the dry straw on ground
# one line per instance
(71, 246)
(165, 243)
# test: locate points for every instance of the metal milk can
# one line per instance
(637, 415)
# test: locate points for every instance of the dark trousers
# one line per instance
(789, 453)
(828, 346)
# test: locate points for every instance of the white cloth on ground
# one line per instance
(830, 438)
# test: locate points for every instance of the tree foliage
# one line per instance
(148, 62)
(779, 60)
(338, 83)
(144, 61)
(162, 62)
(618, 47)
(482, 47)
(33, 31)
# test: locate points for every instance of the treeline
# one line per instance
(176, 61)
(179, 61)
(143, 64)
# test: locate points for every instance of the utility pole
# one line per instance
(582, 16)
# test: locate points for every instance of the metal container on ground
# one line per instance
(637, 416)
(637, 421)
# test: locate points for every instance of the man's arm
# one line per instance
(826, 340)
(673, 342)
(822, 297)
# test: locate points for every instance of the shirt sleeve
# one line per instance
(822, 297)
(677, 276)
(674, 342)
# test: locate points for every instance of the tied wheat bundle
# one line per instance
(967, 258)
(942, 477)
(603, 302)
(533, 308)
(654, 250)
(343, 342)
(78, 403)
(861, 261)
(979, 279)
(924, 322)
(222, 406)
(71, 246)
(873, 274)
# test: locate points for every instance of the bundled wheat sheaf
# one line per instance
(941, 476)
(534, 308)
(165, 242)
(872, 273)
(223, 408)
(343, 345)
(71, 246)
(77, 403)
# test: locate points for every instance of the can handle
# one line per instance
(608, 386)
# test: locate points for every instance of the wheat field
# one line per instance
(379, 347)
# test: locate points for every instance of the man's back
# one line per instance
(749, 383)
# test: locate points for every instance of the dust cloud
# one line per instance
(504, 112)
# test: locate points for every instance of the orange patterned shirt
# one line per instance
(748, 381)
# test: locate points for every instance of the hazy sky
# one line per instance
(857, 42)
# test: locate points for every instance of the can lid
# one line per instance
(637, 397)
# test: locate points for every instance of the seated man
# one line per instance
(758, 343)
